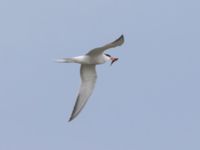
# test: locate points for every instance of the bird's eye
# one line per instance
(108, 55)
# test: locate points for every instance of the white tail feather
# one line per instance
(64, 60)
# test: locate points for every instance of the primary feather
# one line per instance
(88, 80)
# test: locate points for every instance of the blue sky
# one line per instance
(149, 99)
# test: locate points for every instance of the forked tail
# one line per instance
(64, 60)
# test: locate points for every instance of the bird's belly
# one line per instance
(97, 60)
(89, 60)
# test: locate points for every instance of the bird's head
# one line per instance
(111, 58)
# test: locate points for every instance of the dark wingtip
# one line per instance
(70, 119)
(121, 38)
(72, 115)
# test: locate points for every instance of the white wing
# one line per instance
(88, 80)
(100, 50)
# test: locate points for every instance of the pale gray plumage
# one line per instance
(88, 80)
(100, 50)
(88, 72)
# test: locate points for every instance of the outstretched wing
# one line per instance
(88, 80)
(99, 50)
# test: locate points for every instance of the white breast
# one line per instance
(86, 59)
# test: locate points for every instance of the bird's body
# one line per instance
(86, 59)
(88, 71)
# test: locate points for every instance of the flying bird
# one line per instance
(88, 73)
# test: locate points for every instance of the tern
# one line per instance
(88, 73)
